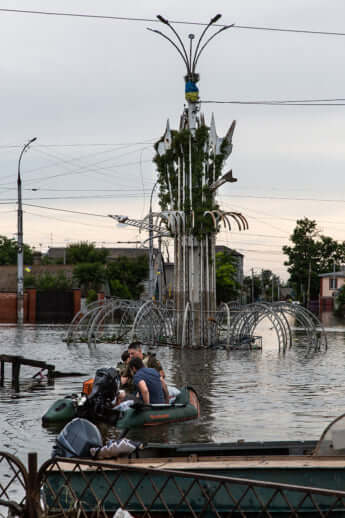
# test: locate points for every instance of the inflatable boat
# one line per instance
(185, 407)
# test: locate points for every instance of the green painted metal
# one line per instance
(185, 407)
(92, 489)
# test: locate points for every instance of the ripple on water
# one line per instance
(259, 395)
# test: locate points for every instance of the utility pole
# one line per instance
(272, 287)
(262, 286)
(20, 253)
(308, 286)
(278, 289)
(252, 285)
(151, 265)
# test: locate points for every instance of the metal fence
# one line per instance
(66, 488)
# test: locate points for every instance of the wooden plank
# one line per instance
(25, 361)
(190, 464)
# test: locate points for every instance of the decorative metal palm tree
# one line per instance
(189, 163)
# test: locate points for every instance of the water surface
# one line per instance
(257, 395)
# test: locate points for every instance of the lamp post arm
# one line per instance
(196, 58)
(173, 43)
(198, 45)
(20, 253)
(166, 22)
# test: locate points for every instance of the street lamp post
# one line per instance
(151, 269)
(20, 254)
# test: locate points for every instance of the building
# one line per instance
(330, 283)
(59, 253)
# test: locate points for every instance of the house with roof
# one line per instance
(330, 283)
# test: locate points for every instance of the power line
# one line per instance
(66, 210)
(180, 22)
(104, 197)
(64, 220)
(100, 144)
(282, 198)
(278, 103)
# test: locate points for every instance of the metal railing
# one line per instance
(79, 488)
(98, 489)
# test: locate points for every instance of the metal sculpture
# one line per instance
(189, 163)
(232, 326)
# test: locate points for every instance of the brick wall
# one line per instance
(8, 306)
(8, 274)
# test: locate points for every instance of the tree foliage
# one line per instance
(48, 282)
(259, 286)
(85, 252)
(340, 301)
(126, 276)
(9, 251)
(206, 168)
(226, 271)
(89, 276)
(311, 254)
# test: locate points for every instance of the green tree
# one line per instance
(91, 296)
(118, 289)
(89, 276)
(85, 252)
(227, 286)
(310, 254)
(9, 251)
(340, 302)
(126, 276)
(48, 282)
(252, 285)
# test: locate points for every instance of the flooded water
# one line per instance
(251, 395)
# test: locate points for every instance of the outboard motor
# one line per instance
(76, 439)
(105, 389)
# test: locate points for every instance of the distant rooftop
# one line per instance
(333, 274)
(59, 252)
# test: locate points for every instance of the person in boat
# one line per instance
(149, 359)
(150, 386)
(122, 365)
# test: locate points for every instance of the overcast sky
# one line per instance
(97, 93)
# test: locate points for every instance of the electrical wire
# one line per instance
(66, 210)
(15, 146)
(64, 220)
(68, 163)
(104, 197)
(282, 198)
(180, 22)
(275, 103)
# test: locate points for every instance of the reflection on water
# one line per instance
(259, 395)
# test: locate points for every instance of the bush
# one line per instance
(339, 307)
(91, 296)
(48, 282)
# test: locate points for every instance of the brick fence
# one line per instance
(8, 306)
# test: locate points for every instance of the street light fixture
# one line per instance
(20, 253)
